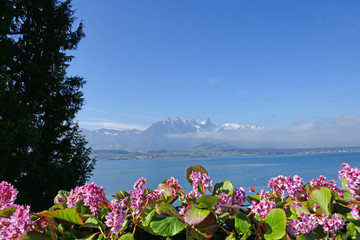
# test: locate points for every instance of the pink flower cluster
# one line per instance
(8, 193)
(224, 199)
(352, 176)
(138, 198)
(174, 184)
(19, 223)
(238, 198)
(91, 194)
(304, 225)
(307, 223)
(117, 216)
(321, 182)
(355, 212)
(16, 225)
(263, 207)
(200, 178)
(334, 224)
(280, 184)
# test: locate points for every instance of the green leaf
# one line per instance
(127, 236)
(194, 168)
(61, 197)
(207, 228)
(166, 208)
(300, 209)
(166, 226)
(224, 216)
(194, 215)
(348, 196)
(34, 236)
(231, 237)
(82, 209)
(7, 212)
(251, 198)
(121, 194)
(167, 190)
(208, 200)
(146, 221)
(92, 236)
(323, 198)
(68, 214)
(246, 235)
(353, 229)
(242, 223)
(275, 224)
(224, 187)
(91, 222)
(204, 230)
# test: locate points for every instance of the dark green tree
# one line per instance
(41, 148)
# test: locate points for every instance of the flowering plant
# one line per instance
(290, 210)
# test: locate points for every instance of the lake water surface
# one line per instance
(243, 171)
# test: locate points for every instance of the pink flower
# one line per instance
(117, 216)
(91, 194)
(321, 182)
(137, 200)
(304, 225)
(334, 224)
(139, 183)
(174, 184)
(280, 184)
(352, 176)
(263, 207)
(201, 178)
(223, 199)
(8, 193)
(182, 211)
(355, 212)
(155, 195)
(295, 186)
(239, 196)
(16, 225)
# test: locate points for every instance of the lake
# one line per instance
(242, 171)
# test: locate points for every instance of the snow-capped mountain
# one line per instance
(235, 126)
(170, 134)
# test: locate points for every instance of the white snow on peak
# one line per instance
(235, 126)
(111, 133)
(206, 121)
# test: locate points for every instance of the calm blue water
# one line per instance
(244, 171)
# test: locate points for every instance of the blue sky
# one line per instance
(280, 64)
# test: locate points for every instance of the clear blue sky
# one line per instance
(274, 63)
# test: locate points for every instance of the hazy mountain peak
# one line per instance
(172, 133)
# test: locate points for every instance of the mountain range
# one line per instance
(170, 134)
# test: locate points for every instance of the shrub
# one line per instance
(291, 210)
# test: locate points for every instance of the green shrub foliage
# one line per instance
(290, 210)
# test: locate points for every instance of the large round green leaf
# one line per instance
(223, 187)
(194, 215)
(207, 200)
(322, 198)
(275, 224)
(242, 223)
(68, 214)
(166, 226)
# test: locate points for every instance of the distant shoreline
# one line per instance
(101, 155)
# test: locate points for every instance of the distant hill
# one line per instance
(168, 135)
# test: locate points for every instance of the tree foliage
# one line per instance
(41, 147)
